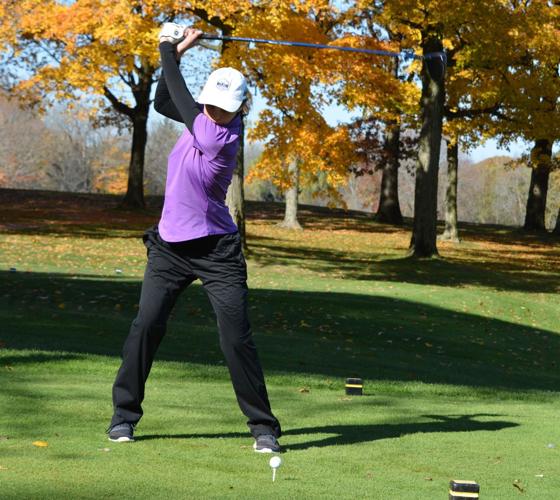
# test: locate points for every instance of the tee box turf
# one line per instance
(354, 386)
(459, 490)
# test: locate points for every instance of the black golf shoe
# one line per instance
(121, 433)
(266, 443)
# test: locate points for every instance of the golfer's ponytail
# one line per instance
(247, 103)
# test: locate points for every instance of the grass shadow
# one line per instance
(73, 214)
(517, 261)
(328, 333)
(40, 357)
(500, 274)
(348, 434)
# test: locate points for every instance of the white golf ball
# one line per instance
(275, 462)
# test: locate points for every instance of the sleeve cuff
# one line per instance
(167, 46)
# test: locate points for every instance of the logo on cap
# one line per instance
(223, 84)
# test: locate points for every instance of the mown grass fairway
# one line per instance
(459, 357)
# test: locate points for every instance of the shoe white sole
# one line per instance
(122, 439)
(262, 450)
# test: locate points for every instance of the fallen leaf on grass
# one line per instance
(428, 479)
(40, 444)
(303, 389)
(517, 484)
(3, 468)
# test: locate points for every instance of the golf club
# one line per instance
(405, 54)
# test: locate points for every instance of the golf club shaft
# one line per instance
(406, 54)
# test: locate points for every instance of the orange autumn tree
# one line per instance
(104, 51)
(491, 91)
(475, 88)
(301, 150)
(483, 31)
(497, 81)
(380, 89)
(531, 102)
(90, 50)
(300, 146)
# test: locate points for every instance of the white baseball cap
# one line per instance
(225, 88)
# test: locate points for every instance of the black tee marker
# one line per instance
(354, 386)
(463, 490)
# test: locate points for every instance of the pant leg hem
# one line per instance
(261, 429)
(117, 419)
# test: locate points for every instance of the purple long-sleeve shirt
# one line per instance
(199, 171)
(200, 165)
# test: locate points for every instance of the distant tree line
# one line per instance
(63, 151)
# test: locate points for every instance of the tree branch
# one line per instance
(470, 113)
(124, 79)
(47, 50)
(214, 20)
(119, 106)
(412, 24)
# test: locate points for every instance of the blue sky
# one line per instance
(491, 149)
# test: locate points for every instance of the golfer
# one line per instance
(196, 238)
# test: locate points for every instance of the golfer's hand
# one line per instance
(191, 38)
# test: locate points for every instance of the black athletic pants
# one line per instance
(218, 261)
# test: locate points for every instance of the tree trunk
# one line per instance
(451, 232)
(423, 242)
(290, 215)
(556, 230)
(389, 210)
(235, 197)
(134, 197)
(541, 156)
